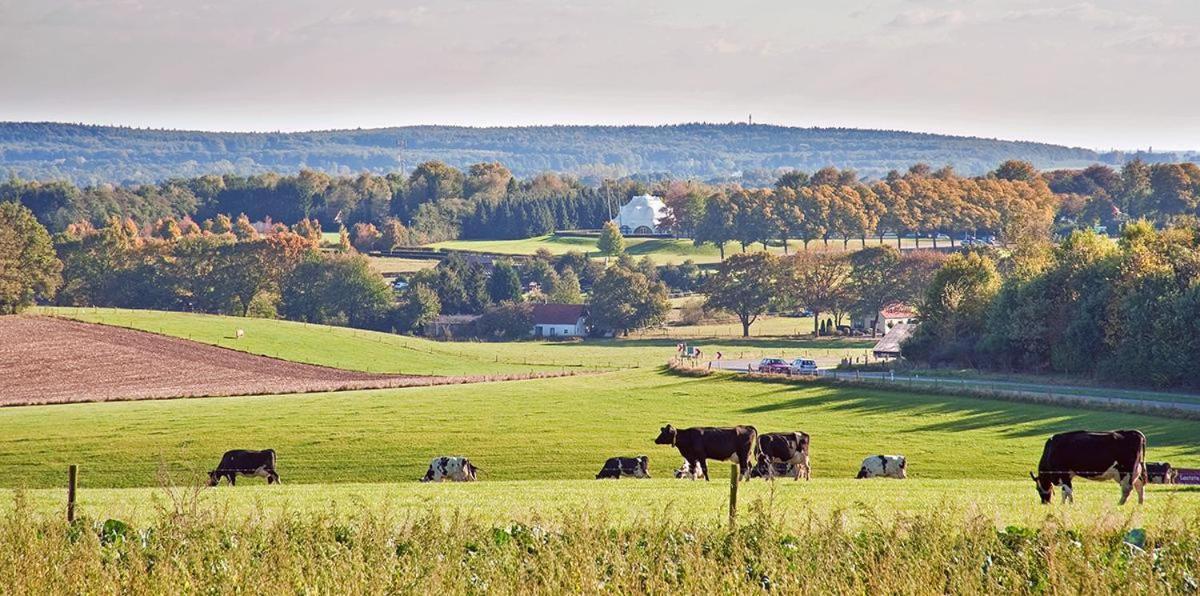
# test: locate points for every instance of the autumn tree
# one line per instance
(745, 285)
(611, 242)
(818, 282)
(624, 299)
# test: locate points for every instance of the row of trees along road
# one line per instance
(751, 284)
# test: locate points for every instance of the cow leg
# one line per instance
(1126, 482)
(704, 469)
(232, 478)
(1139, 483)
(1068, 493)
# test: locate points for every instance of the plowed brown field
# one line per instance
(45, 360)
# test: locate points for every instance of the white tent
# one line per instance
(640, 215)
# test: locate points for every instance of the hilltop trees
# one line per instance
(29, 269)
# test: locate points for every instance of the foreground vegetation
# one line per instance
(948, 551)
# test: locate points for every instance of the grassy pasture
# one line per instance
(355, 349)
(542, 429)
(398, 265)
(664, 251)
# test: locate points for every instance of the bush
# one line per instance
(507, 320)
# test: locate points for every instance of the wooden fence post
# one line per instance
(72, 480)
(734, 472)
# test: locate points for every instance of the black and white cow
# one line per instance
(790, 449)
(1114, 455)
(700, 444)
(618, 467)
(887, 466)
(245, 462)
(760, 470)
(1161, 473)
(454, 469)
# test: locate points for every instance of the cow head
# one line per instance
(214, 478)
(1044, 488)
(644, 465)
(428, 475)
(666, 436)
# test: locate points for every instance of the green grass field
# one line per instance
(543, 429)
(663, 251)
(397, 265)
(355, 349)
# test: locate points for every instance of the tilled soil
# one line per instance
(45, 360)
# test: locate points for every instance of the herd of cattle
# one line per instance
(1114, 455)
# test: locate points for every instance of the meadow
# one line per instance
(350, 514)
(663, 251)
(356, 349)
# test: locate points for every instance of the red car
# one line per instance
(777, 366)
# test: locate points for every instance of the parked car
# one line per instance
(803, 366)
(774, 366)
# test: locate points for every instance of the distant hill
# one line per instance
(93, 154)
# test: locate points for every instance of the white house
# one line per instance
(640, 215)
(559, 320)
(890, 316)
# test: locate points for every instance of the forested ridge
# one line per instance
(754, 154)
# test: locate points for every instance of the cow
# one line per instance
(455, 469)
(1114, 455)
(784, 448)
(238, 334)
(699, 444)
(246, 463)
(618, 467)
(1161, 473)
(888, 466)
(760, 470)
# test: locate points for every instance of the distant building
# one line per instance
(451, 326)
(640, 215)
(889, 316)
(559, 320)
(889, 346)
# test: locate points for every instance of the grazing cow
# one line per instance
(784, 448)
(700, 444)
(618, 467)
(1161, 473)
(888, 466)
(1115, 455)
(238, 334)
(760, 469)
(246, 463)
(454, 469)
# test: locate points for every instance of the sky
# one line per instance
(1100, 74)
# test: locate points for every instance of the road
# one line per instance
(1050, 391)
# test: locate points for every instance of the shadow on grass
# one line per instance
(1008, 418)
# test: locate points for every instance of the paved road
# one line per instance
(1098, 395)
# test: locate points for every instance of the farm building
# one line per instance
(559, 320)
(640, 215)
(889, 346)
(889, 316)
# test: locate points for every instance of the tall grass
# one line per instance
(190, 549)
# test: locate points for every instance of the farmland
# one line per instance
(350, 503)
(663, 251)
(354, 349)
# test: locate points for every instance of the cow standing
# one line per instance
(618, 467)
(699, 444)
(887, 466)
(454, 469)
(246, 463)
(784, 448)
(1114, 455)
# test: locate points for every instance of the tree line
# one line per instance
(1123, 311)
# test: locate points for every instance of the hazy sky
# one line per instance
(1100, 73)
